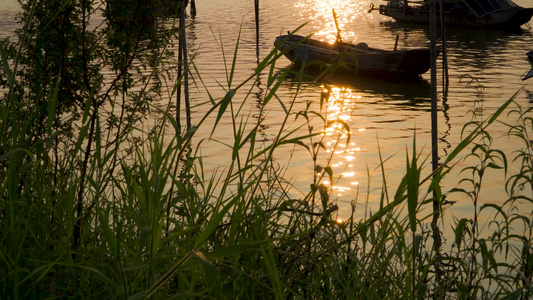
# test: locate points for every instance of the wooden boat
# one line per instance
(530, 60)
(357, 59)
(496, 14)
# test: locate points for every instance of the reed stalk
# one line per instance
(106, 204)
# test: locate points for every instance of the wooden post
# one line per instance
(182, 62)
(193, 9)
(178, 90)
(444, 52)
(434, 122)
(183, 40)
(256, 5)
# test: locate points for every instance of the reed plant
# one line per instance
(96, 203)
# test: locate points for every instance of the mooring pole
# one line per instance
(183, 41)
(444, 52)
(256, 4)
(434, 123)
(193, 9)
(178, 90)
(182, 65)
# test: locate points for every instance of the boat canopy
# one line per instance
(481, 8)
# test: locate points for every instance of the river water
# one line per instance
(485, 69)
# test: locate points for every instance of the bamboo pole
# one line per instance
(182, 61)
(193, 9)
(444, 52)
(434, 122)
(183, 40)
(178, 90)
(256, 5)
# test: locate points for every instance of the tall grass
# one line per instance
(116, 211)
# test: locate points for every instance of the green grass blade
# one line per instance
(223, 106)
(215, 220)
(272, 271)
(166, 276)
(412, 190)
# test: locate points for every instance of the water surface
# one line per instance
(485, 68)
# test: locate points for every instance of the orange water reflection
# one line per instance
(339, 138)
(348, 14)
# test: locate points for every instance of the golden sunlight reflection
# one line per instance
(348, 13)
(339, 140)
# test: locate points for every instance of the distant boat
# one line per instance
(530, 60)
(496, 14)
(357, 59)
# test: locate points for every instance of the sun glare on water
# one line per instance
(321, 12)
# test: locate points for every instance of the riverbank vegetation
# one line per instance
(94, 204)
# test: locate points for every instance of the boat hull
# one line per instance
(347, 58)
(510, 19)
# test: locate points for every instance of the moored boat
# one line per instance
(357, 59)
(496, 14)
